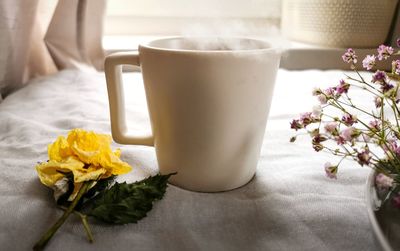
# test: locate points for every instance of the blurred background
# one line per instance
(41, 37)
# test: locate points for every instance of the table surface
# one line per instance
(289, 205)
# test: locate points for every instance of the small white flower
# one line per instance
(317, 110)
(322, 99)
(331, 170)
(330, 126)
(349, 133)
(369, 62)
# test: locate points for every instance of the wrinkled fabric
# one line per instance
(289, 204)
(41, 37)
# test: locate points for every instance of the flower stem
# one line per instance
(87, 228)
(84, 223)
(40, 245)
(355, 107)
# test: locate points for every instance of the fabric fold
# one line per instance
(41, 37)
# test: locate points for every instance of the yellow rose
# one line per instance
(87, 155)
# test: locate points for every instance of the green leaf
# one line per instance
(127, 203)
(100, 186)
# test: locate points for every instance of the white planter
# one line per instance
(338, 23)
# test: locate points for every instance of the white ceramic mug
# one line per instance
(208, 105)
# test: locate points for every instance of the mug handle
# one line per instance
(113, 70)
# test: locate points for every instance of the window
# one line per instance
(130, 22)
(175, 17)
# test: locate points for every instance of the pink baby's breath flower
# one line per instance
(318, 138)
(369, 62)
(391, 147)
(330, 126)
(396, 67)
(379, 76)
(325, 95)
(375, 125)
(349, 56)
(329, 92)
(331, 170)
(316, 142)
(343, 87)
(395, 147)
(364, 157)
(346, 134)
(316, 91)
(306, 118)
(322, 99)
(378, 102)
(340, 140)
(384, 52)
(383, 182)
(375, 133)
(385, 87)
(349, 133)
(317, 110)
(349, 119)
(295, 124)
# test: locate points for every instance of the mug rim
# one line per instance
(149, 45)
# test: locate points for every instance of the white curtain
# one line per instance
(41, 37)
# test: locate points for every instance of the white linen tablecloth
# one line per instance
(289, 205)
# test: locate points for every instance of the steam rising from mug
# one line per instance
(217, 35)
(215, 44)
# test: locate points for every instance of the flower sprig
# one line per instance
(368, 135)
(81, 171)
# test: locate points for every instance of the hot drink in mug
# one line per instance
(208, 100)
